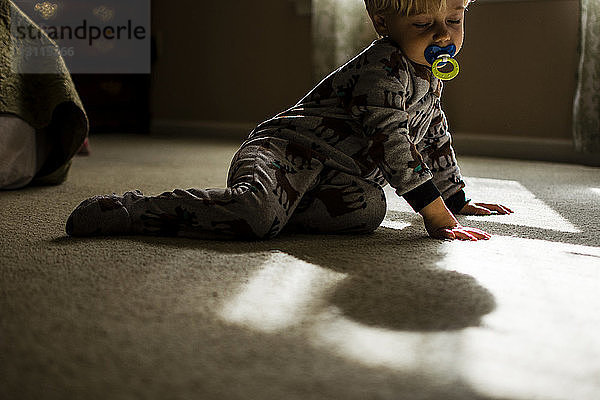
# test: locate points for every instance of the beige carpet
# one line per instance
(392, 315)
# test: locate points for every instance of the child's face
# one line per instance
(417, 32)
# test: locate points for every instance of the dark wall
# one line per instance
(243, 61)
(239, 61)
(518, 70)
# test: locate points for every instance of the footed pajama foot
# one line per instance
(102, 215)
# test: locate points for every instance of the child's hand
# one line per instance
(440, 223)
(459, 232)
(484, 209)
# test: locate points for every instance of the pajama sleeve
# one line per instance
(375, 95)
(438, 154)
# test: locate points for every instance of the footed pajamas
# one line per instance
(267, 189)
(316, 167)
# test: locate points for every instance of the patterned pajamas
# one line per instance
(267, 190)
(316, 167)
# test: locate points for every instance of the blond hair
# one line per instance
(405, 7)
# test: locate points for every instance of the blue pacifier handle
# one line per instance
(433, 52)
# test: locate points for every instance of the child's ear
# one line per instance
(380, 24)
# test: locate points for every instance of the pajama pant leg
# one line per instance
(271, 182)
(266, 181)
(340, 203)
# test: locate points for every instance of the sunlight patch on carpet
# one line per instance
(395, 202)
(528, 209)
(541, 341)
(393, 224)
(281, 294)
(395, 205)
(595, 190)
(426, 352)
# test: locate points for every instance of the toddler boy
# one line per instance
(319, 166)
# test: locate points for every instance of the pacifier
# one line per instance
(438, 57)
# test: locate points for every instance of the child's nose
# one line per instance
(441, 34)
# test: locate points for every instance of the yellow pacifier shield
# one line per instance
(445, 76)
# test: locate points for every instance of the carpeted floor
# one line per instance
(391, 315)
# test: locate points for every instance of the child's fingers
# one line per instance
(448, 234)
(473, 234)
(482, 211)
(473, 209)
(464, 235)
(495, 207)
(477, 209)
(443, 233)
(508, 210)
(479, 233)
(489, 207)
(501, 209)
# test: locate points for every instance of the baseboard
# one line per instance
(202, 129)
(521, 148)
